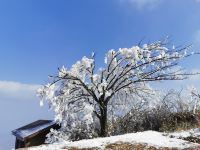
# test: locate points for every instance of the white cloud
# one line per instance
(146, 4)
(15, 90)
(143, 4)
(19, 106)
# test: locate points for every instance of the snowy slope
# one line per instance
(152, 138)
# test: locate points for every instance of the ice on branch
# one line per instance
(62, 72)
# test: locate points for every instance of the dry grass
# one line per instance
(129, 146)
(74, 148)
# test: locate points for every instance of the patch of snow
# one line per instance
(184, 134)
(152, 138)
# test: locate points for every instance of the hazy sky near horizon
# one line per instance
(37, 37)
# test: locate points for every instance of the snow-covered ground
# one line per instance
(184, 134)
(152, 138)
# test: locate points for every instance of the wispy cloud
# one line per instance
(146, 4)
(143, 4)
(16, 90)
(19, 106)
(198, 1)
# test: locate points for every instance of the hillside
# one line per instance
(148, 140)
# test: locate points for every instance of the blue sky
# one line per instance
(36, 37)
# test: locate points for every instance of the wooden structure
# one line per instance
(33, 134)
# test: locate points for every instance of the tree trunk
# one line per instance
(103, 122)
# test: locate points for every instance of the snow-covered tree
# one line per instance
(195, 96)
(83, 93)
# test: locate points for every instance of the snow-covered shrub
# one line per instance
(195, 98)
(173, 111)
